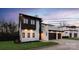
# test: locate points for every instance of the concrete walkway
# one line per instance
(64, 44)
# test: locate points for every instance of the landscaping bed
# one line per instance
(72, 38)
(10, 45)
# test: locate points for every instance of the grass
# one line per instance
(10, 45)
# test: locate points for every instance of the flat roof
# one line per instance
(48, 24)
(70, 26)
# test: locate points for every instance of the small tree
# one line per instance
(12, 27)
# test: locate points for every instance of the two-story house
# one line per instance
(29, 28)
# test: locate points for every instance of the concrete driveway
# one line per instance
(64, 44)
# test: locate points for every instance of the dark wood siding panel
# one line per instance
(25, 26)
(40, 30)
(29, 25)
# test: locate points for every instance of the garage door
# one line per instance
(52, 36)
(59, 36)
(70, 35)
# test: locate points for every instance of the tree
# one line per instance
(12, 27)
(7, 26)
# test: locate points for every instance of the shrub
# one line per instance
(9, 36)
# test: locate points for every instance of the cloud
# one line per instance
(63, 15)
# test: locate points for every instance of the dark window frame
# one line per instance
(33, 35)
(28, 35)
(23, 35)
(25, 20)
(32, 22)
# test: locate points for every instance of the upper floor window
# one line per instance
(33, 22)
(26, 21)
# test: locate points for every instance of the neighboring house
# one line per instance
(50, 32)
(29, 28)
(70, 31)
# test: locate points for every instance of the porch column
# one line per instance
(61, 35)
(72, 34)
(56, 36)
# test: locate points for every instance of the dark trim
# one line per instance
(29, 25)
(28, 16)
(56, 30)
(70, 26)
(40, 30)
(18, 40)
(70, 30)
(47, 24)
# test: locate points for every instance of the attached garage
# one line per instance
(55, 35)
(51, 32)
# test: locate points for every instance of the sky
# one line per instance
(56, 16)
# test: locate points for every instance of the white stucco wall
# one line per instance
(31, 32)
(45, 34)
(67, 31)
(45, 30)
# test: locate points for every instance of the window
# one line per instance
(33, 35)
(28, 35)
(23, 35)
(33, 22)
(26, 21)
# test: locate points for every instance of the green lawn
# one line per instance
(10, 45)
